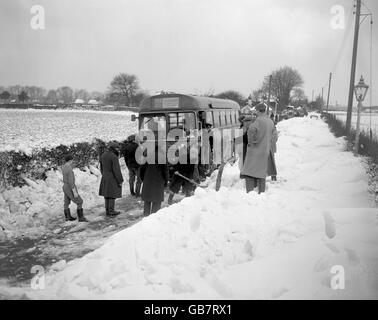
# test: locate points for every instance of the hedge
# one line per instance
(16, 165)
(368, 145)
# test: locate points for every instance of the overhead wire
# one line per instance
(370, 68)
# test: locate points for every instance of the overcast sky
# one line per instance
(186, 46)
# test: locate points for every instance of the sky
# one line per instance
(185, 46)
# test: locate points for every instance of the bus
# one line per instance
(168, 111)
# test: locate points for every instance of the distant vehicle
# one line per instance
(288, 113)
(301, 112)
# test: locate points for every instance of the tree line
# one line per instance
(283, 85)
(34, 94)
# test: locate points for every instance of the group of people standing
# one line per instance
(259, 146)
(149, 181)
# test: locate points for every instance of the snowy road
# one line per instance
(313, 235)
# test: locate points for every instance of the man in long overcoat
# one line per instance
(255, 167)
(111, 181)
(155, 177)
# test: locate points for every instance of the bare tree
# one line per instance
(257, 95)
(232, 95)
(297, 94)
(65, 94)
(139, 96)
(284, 80)
(125, 85)
(99, 96)
(318, 103)
(23, 96)
(81, 94)
(14, 91)
(5, 95)
(52, 97)
(35, 93)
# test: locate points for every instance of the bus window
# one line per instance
(153, 123)
(234, 120)
(209, 118)
(172, 118)
(216, 118)
(229, 116)
(181, 121)
(223, 118)
(190, 121)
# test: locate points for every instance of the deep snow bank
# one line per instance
(236, 245)
(29, 210)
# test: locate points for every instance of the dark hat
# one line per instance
(131, 138)
(261, 107)
(68, 157)
(241, 118)
(114, 145)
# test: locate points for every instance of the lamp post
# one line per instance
(360, 91)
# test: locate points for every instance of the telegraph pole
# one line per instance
(353, 68)
(329, 89)
(270, 86)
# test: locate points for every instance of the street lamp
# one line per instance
(360, 91)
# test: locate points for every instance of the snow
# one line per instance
(367, 120)
(30, 210)
(284, 244)
(29, 130)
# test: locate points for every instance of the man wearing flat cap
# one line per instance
(111, 181)
(260, 133)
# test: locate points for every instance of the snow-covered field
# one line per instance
(26, 130)
(293, 242)
(366, 118)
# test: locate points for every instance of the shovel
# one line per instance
(190, 180)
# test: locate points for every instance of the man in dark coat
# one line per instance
(111, 181)
(246, 119)
(260, 137)
(129, 148)
(187, 170)
(155, 178)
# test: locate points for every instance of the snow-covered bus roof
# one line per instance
(173, 101)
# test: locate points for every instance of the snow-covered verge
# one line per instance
(283, 244)
(29, 210)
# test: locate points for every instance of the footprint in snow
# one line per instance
(352, 256)
(330, 227)
(332, 247)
